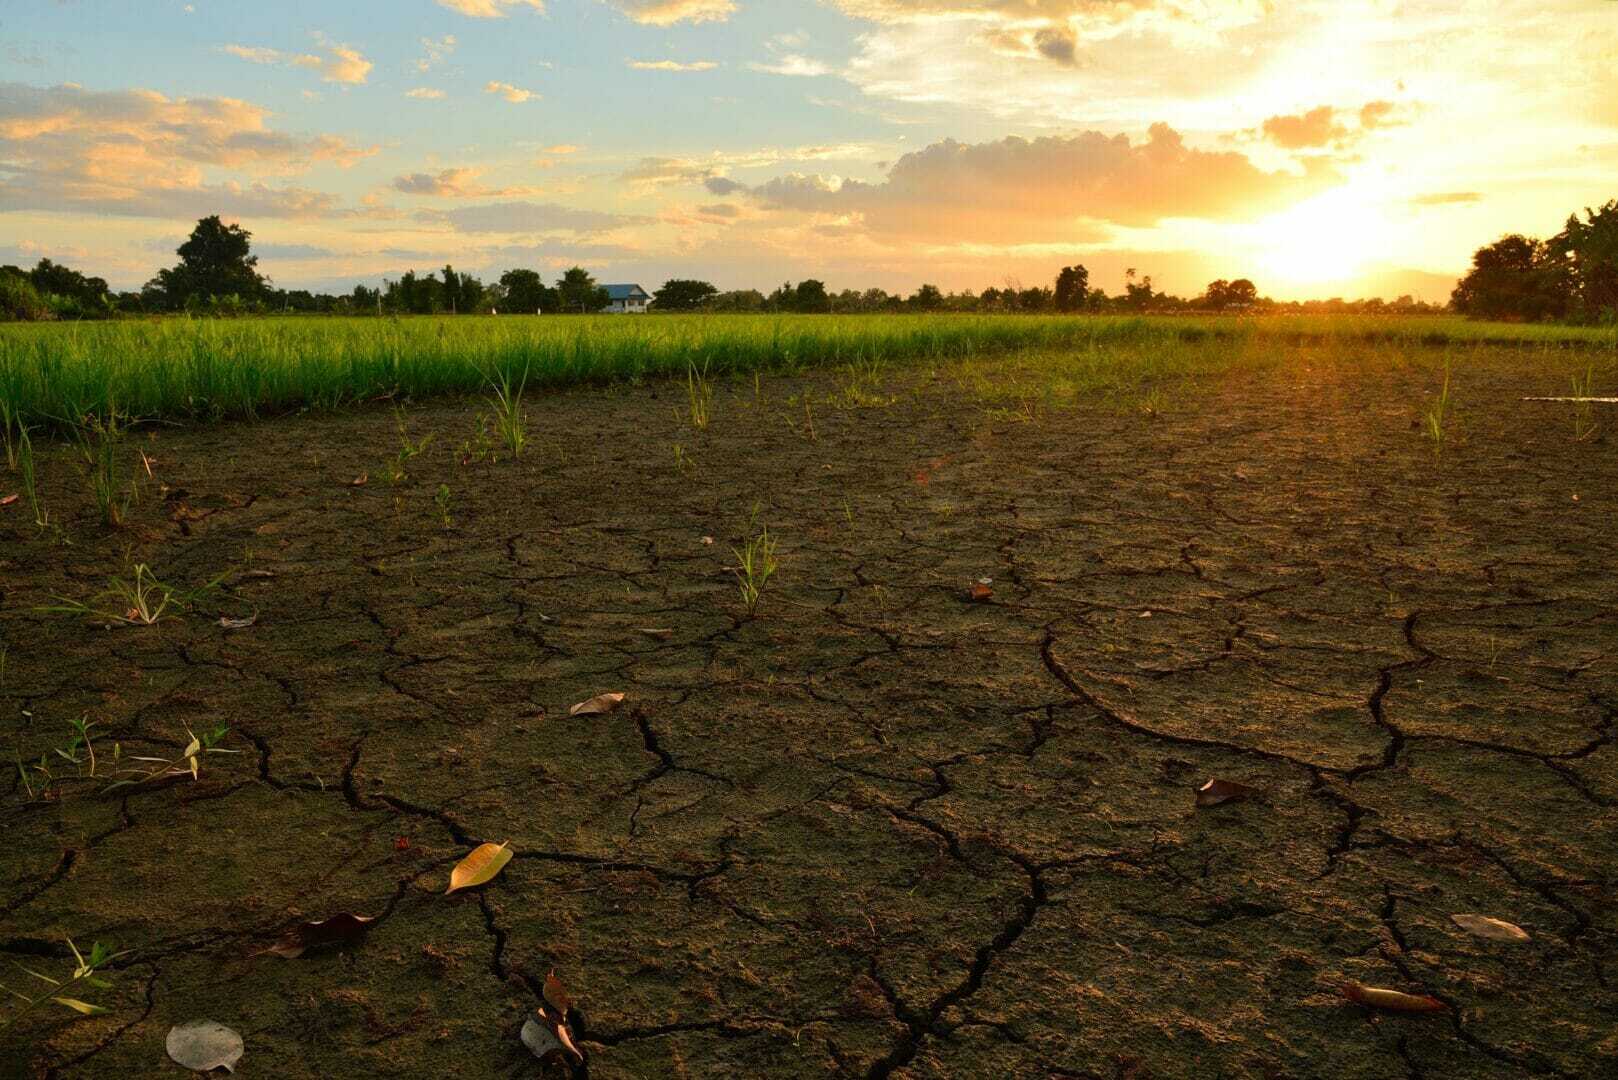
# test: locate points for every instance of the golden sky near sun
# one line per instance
(1349, 147)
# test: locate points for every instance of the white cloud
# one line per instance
(669, 12)
(672, 65)
(514, 94)
(425, 93)
(342, 64)
(490, 9)
(793, 64)
(435, 52)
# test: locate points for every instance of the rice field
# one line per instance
(177, 369)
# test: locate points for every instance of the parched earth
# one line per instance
(876, 829)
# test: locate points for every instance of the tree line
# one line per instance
(1571, 277)
(217, 274)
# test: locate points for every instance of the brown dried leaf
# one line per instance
(1375, 997)
(556, 994)
(657, 632)
(1216, 792)
(359, 481)
(314, 935)
(9, 499)
(485, 861)
(601, 703)
(237, 624)
(1495, 929)
(979, 593)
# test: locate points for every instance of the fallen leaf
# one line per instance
(1376, 997)
(359, 481)
(313, 935)
(1497, 929)
(401, 843)
(707, 540)
(258, 573)
(657, 632)
(481, 866)
(556, 994)
(79, 1006)
(9, 499)
(237, 624)
(601, 703)
(205, 1045)
(1215, 792)
(979, 593)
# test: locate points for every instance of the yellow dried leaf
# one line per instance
(79, 1006)
(601, 703)
(1376, 997)
(1496, 929)
(481, 866)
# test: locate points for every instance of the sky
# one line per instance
(1319, 147)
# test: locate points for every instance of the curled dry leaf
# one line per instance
(237, 624)
(9, 499)
(657, 632)
(481, 866)
(979, 593)
(359, 481)
(313, 935)
(601, 703)
(707, 541)
(79, 1006)
(1376, 997)
(1217, 791)
(1495, 929)
(546, 1033)
(204, 1045)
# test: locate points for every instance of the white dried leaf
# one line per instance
(205, 1045)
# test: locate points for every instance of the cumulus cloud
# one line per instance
(514, 94)
(425, 93)
(490, 9)
(669, 12)
(527, 217)
(672, 65)
(1049, 189)
(454, 184)
(722, 185)
(1315, 128)
(341, 64)
(137, 152)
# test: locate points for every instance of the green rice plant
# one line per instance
(84, 972)
(756, 564)
(1438, 416)
(510, 421)
(141, 600)
(9, 421)
(189, 760)
(441, 504)
(397, 469)
(25, 468)
(682, 461)
(99, 438)
(1584, 417)
(699, 396)
(480, 446)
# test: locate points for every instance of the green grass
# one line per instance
(53, 375)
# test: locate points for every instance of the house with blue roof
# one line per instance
(626, 300)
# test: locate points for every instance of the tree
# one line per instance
(811, 297)
(578, 291)
(1072, 288)
(527, 293)
(1588, 251)
(1516, 277)
(1224, 294)
(680, 294)
(452, 290)
(927, 298)
(1138, 296)
(216, 260)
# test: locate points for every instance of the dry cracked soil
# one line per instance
(875, 829)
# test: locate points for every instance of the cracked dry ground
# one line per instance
(877, 830)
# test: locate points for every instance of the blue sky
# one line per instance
(1320, 146)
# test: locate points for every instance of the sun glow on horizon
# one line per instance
(1334, 237)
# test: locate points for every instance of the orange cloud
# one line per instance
(669, 12)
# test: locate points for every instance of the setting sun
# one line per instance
(1331, 238)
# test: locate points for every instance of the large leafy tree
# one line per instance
(680, 294)
(215, 261)
(1072, 288)
(578, 291)
(1224, 294)
(1516, 277)
(1588, 252)
(526, 293)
